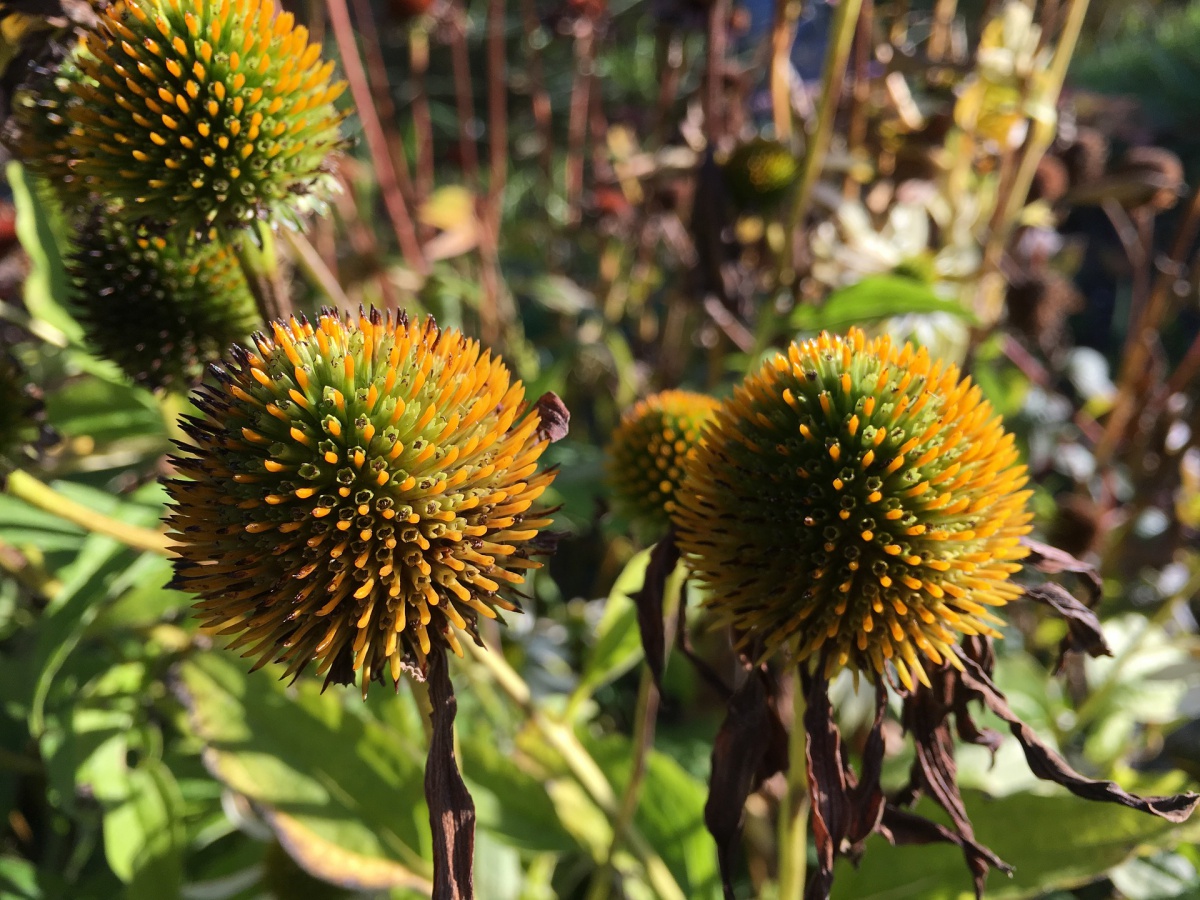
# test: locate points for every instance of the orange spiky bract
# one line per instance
(358, 489)
(645, 464)
(160, 311)
(206, 114)
(859, 499)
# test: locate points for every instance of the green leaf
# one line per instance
(877, 297)
(618, 646)
(46, 286)
(1052, 842)
(509, 802)
(670, 814)
(18, 879)
(143, 838)
(344, 795)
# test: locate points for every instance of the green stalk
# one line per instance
(643, 737)
(315, 270)
(843, 28)
(23, 486)
(256, 253)
(1041, 136)
(794, 808)
(583, 768)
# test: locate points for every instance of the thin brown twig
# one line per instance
(670, 53)
(538, 95)
(577, 117)
(1141, 333)
(860, 92)
(497, 70)
(381, 90)
(422, 119)
(714, 71)
(360, 89)
(464, 100)
(489, 229)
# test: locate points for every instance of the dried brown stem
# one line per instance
(577, 117)
(418, 62)
(381, 91)
(460, 61)
(360, 89)
(538, 95)
(714, 71)
(1141, 333)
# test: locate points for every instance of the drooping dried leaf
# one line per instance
(900, 826)
(934, 770)
(845, 808)
(826, 781)
(649, 601)
(1053, 561)
(750, 748)
(1084, 633)
(451, 810)
(1047, 764)
(554, 415)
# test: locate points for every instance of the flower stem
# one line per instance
(793, 810)
(315, 270)
(260, 264)
(643, 739)
(23, 486)
(842, 30)
(583, 767)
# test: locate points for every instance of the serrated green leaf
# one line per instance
(876, 297)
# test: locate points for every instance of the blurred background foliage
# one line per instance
(566, 172)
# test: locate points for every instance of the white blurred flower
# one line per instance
(922, 237)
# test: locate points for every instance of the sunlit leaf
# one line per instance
(618, 646)
(876, 297)
(343, 793)
(143, 837)
(1052, 842)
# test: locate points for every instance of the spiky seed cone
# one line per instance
(37, 132)
(358, 489)
(205, 114)
(160, 311)
(645, 464)
(760, 173)
(857, 498)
